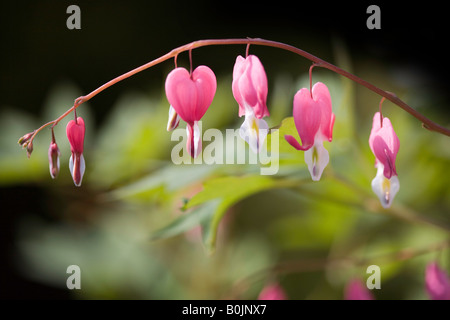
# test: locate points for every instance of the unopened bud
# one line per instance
(53, 159)
(29, 149)
(23, 141)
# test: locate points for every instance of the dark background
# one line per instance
(38, 51)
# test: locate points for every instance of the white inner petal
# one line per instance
(197, 140)
(82, 169)
(317, 159)
(385, 188)
(174, 119)
(253, 130)
(71, 165)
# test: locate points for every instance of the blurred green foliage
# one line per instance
(143, 227)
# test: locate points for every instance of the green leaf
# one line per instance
(186, 221)
(171, 177)
(231, 188)
(228, 190)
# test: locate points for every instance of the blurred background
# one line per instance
(141, 227)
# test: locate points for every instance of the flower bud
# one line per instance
(29, 149)
(23, 141)
(53, 159)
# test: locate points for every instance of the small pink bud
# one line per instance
(356, 290)
(53, 159)
(272, 291)
(437, 282)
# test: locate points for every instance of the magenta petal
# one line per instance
(293, 142)
(272, 292)
(191, 97)
(250, 85)
(356, 290)
(206, 85)
(385, 156)
(307, 117)
(437, 282)
(181, 93)
(238, 70)
(321, 95)
(384, 144)
(75, 133)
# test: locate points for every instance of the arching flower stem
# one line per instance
(426, 123)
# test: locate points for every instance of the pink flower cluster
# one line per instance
(75, 134)
(190, 94)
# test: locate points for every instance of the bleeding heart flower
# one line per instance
(437, 282)
(314, 121)
(384, 144)
(75, 133)
(250, 91)
(190, 95)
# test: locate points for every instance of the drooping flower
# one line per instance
(53, 159)
(437, 282)
(250, 91)
(314, 120)
(75, 133)
(356, 290)
(190, 95)
(384, 144)
(272, 291)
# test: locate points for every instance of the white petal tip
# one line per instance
(174, 119)
(254, 131)
(385, 188)
(317, 159)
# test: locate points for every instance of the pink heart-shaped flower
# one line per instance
(191, 95)
(75, 133)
